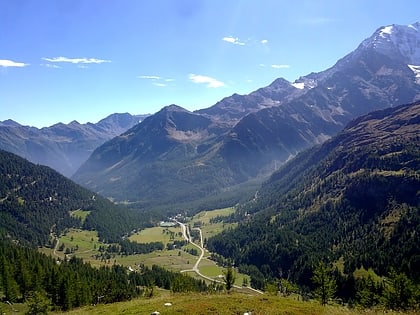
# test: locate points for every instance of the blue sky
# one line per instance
(82, 60)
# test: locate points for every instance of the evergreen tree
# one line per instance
(368, 292)
(325, 284)
(10, 286)
(399, 291)
(37, 304)
(229, 278)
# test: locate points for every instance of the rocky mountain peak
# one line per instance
(398, 41)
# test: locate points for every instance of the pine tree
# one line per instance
(325, 283)
(229, 278)
(399, 291)
(10, 286)
(37, 304)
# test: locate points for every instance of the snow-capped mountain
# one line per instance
(246, 136)
(398, 41)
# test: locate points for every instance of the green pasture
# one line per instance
(157, 234)
(81, 214)
(210, 229)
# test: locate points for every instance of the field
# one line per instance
(234, 303)
(157, 234)
(211, 229)
(81, 214)
(85, 245)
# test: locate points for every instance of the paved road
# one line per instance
(187, 237)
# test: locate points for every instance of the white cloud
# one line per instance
(156, 80)
(151, 77)
(159, 84)
(76, 60)
(10, 63)
(264, 41)
(233, 40)
(280, 66)
(48, 65)
(202, 79)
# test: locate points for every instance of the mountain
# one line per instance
(378, 74)
(249, 136)
(231, 109)
(162, 153)
(353, 199)
(36, 201)
(62, 147)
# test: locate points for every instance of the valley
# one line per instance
(298, 198)
(187, 258)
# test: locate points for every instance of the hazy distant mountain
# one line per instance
(62, 147)
(231, 109)
(245, 136)
(158, 158)
(354, 198)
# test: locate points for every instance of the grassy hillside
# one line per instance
(226, 304)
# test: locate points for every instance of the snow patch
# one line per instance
(416, 70)
(299, 85)
(386, 30)
(412, 26)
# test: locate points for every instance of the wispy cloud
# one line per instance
(202, 79)
(10, 63)
(264, 41)
(159, 84)
(150, 77)
(280, 66)
(76, 60)
(233, 40)
(157, 80)
(275, 66)
(49, 65)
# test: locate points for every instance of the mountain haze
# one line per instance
(243, 137)
(63, 147)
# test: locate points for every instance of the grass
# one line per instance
(157, 234)
(210, 229)
(88, 245)
(81, 214)
(233, 303)
(363, 273)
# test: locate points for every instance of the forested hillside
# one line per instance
(36, 201)
(352, 202)
(44, 283)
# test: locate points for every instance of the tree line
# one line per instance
(29, 276)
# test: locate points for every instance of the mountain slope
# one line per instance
(62, 147)
(247, 137)
(36, 201)
(163, 153)
(378, 74)
(355, 197)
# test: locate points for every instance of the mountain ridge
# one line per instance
(253, 134)
(62, 146)
(355, 198)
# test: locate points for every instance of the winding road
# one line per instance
(187, 237)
